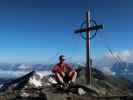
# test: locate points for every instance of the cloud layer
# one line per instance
(13, 74)
(107, 60)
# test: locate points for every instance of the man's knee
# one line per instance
(73, 73)
(74, 76)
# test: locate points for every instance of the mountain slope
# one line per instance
(34, 86)
(108, 84)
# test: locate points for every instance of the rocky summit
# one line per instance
(35, 86)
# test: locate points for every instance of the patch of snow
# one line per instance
(81, 91)
(35, 82)
(24, 94)
(36, 79)
(40, 74)
(52, 80)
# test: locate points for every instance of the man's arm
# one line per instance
(58, 73)
(55, 69)
(69, 68)
(59, 77)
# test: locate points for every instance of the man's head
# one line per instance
(62, 58)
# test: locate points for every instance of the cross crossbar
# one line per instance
(97, 27)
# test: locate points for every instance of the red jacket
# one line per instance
(58, 69)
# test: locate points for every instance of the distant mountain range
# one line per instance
(16, 70)
(16, 67)
(123, 69)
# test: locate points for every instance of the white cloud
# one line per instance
(108, 71)
(19, 73)
(24, 67)
(107, 60)
(125, 55)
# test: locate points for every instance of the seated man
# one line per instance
(63, 72)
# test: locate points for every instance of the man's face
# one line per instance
(62, 60)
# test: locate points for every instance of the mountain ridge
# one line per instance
(105, 85)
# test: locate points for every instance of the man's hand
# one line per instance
(60, 78)
(63, 74)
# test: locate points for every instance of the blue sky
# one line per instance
(38, 30)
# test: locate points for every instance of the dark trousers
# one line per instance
(66, 78)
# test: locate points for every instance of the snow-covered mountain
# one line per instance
(31, 80)
(25, 84)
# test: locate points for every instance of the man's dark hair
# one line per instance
(61, 57)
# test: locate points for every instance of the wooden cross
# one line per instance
(88, 29)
